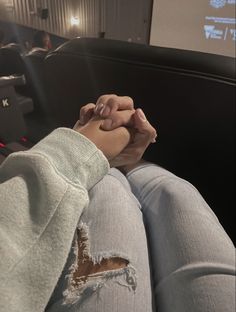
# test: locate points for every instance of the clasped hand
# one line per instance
(121, 132)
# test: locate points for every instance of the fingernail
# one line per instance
(154, 139)
(141, 114)
(102, 110)
(96, 109)
(107, 123)
(99, 108)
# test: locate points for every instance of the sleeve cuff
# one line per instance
(73, 156)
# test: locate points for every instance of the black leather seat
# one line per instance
(11, 62)
(188, 96)
(35, 78)
(12, 109)
(12, 125)
(39, 122)
(25, 103)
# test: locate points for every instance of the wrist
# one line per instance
(111, 143)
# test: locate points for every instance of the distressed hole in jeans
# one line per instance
(89, 274)
(86, 266)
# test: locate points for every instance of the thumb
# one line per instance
(143, 126)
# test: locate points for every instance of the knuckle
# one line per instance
(105, 98)
(130, 101)
(90, 105)
(101, 99)
(83, 110)
(112, 101)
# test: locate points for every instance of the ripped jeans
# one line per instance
(183, 262)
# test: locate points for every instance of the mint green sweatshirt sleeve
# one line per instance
(43, 192)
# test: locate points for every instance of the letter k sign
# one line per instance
(5, 103)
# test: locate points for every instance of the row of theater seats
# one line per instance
(31, 66)
(13, 107)
(188, 96)
(20, 102)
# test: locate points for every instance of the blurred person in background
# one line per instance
(41, 43)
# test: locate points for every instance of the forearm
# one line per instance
(43, 192)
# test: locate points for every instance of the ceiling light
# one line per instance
(75, 21)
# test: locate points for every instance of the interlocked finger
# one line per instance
(110, 103)
(86, 113)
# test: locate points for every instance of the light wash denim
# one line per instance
(192, 257)
(113, 225)
(184, 262)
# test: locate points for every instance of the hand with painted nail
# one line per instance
(143, 134)
(115, 110)
(119, 111)
(109, 104)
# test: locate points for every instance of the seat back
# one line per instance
(12, 125)
(188, 96)
(11, 62)
(35, 77)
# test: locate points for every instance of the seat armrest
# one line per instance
(14, 80)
